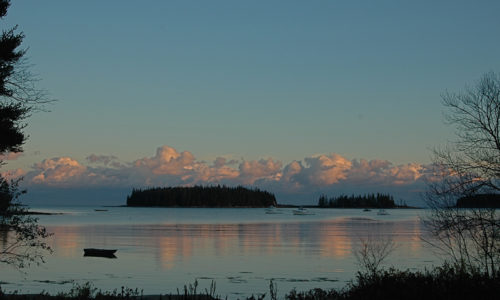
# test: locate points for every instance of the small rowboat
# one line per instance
(109, 253)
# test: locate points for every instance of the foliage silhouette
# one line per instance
(21, 240)
(445, 282)
(201, 196)
(365, 201)
(465, 171)
(480, 201)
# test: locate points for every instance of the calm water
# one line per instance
(161, 249)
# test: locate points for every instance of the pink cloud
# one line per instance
(324, 170)
(404, 174)
(59, 170)
(219, 162)
(292, 170)
(13, 174)
(220, 172)
(250, 171)
(384, 172)
(169, 167)
(104, 159)
(167, 161)
(10, 156)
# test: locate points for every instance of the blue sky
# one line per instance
(250, 80)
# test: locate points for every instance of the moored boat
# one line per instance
(273, 211)
(109, 253)
(302, 212)
(382, 212)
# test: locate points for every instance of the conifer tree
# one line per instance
(22, 239)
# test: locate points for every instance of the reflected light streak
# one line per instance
(175, 243)
(65, 241)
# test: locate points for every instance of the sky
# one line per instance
(297, 97)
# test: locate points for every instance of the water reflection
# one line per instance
(172, 244)
(161, 250)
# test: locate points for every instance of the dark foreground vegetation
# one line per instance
(360, 201)
(201, 196)
(441, 283)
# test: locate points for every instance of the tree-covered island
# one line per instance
(479, 201)
(201, 196)
(360, 201)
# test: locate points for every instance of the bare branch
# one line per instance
(373, 251)
(467, 168)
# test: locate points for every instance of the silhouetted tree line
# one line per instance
(480, 201)
(201, 196)
(365, 201)
(22, 237)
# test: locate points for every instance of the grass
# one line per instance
(446, 282)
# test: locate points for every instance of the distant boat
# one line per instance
(100, 209)
(367, 209)
(273, 211)
(108, 253)
(302, 212)
(382, 212)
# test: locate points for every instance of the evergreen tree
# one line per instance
(362, 201)
(201, 196)
(23, 240)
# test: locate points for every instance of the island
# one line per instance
(479, 201)
(360, 201)
(201, 196)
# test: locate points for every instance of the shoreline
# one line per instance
(40, 213)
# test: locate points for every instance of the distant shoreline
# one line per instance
(35, 213)
(277, 206)
(369, 207)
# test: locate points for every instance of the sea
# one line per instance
(239, 250)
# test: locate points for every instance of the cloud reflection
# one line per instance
(174, 244)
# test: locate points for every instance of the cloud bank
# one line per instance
(10, 156)
(325, 173)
